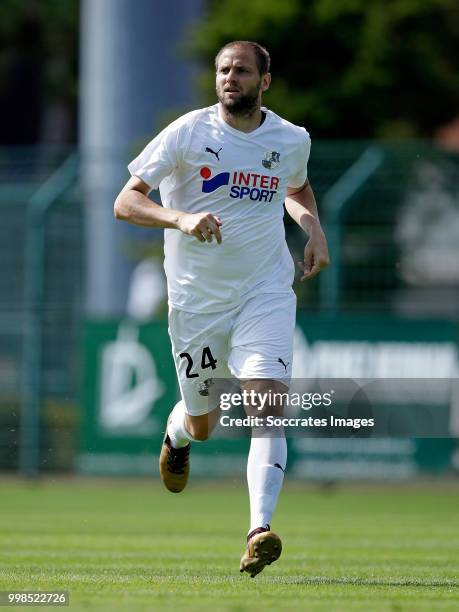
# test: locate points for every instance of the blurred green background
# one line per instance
(376, 85)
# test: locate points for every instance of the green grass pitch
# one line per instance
(130, 545)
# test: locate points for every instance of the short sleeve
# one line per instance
(158, 159)
(301, 171)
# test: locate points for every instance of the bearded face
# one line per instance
(238, 102)
(239, 84)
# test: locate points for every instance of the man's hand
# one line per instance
(204, 226)
(316, 255)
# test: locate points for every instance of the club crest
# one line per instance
(271, 160)
(203, 388)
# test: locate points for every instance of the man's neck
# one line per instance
(243, 123)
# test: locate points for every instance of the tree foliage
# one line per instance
(347, 68)
(38, 65)
(48, 29)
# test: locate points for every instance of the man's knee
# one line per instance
(270, 397)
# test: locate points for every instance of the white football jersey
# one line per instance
(201, 164)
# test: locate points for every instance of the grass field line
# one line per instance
(140, 549)
(236, 578)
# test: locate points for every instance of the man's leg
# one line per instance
(261, 355)
(181, 430)
(265, 474)
(179, 435)
(184, 428)
(199, 347)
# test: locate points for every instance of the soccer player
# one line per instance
(224, 173)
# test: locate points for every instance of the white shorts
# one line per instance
(253, 340)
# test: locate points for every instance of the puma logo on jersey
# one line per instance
(283, 363)
(216, 153)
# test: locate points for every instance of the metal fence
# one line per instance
(41, 247)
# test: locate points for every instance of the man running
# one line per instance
(224, 173)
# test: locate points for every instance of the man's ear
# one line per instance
(266, 81)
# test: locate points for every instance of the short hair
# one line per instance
(262, 57)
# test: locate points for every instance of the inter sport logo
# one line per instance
(257, 187)
(211, 184)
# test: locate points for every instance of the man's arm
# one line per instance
(134, 206)
(301, 206)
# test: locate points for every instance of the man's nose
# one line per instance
(231, 76)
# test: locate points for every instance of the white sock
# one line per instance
(176, 429)
(265, 474)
